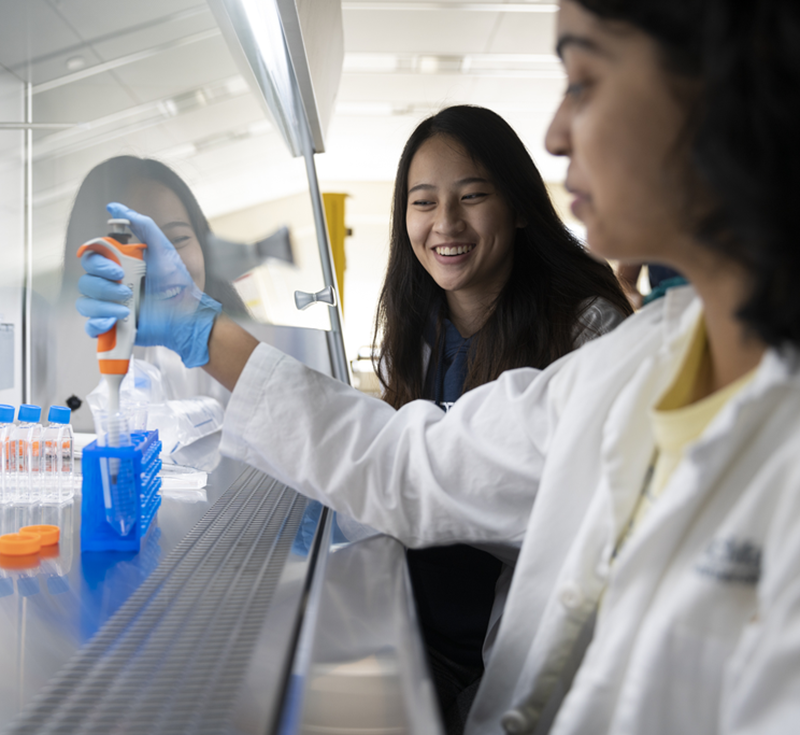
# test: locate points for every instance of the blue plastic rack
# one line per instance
(144, 462)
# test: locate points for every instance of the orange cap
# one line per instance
(20, 544)
(98, 245)
(49, 534)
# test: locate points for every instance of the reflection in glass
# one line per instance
(160, 83)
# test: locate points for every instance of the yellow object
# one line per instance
(337, 231)
(677, 421)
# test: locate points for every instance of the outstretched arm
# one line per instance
(418, 474)
(229, 349)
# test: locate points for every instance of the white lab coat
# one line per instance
(699, 628)
(598, 316)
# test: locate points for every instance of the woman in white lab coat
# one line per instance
(651, 478)
(483, 277)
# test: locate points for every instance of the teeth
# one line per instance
(458, 250)
(169, 293)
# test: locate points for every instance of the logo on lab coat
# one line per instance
(731, 560)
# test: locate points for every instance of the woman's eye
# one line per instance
(179, 242)
(575, 89)
(475, 195)
(422, 202)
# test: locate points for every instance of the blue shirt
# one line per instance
(450, 371)
(453, 585)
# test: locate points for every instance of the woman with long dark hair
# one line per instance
(162, 194)
(483, 277)
(538, 309)
(650, 478)
(124, 177)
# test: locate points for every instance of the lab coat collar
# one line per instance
(709, 457)
(681, 309)
(627, 443)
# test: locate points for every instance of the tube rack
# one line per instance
(143, 459)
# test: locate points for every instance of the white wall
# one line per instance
(13, 245)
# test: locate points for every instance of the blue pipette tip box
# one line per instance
(141, 461)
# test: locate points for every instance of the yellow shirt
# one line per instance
(677, 422)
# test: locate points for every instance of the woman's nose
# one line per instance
(449, 219)
(557, 137)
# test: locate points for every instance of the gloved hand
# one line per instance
(173, 312)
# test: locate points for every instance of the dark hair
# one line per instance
(111, 181)
(743, 136)
(534, 319)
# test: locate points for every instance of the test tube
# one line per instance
(6, 428)
(58, 456)
(26, 445)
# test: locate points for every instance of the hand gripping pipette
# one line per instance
(114, 349)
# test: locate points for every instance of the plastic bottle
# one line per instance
(26, 444)
(58, 456)
(6, 427)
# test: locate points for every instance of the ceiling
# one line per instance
(155, 78)
(405, 60)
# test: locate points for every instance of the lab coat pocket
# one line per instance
(690, 680)
(684, 654)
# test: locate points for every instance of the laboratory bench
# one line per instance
(244, 611)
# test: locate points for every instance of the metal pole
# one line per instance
(335, 341)
(27, 288)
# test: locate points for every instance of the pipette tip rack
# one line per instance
(142, 459)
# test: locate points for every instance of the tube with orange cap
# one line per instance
(114, 349)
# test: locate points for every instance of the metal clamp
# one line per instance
(303, 300)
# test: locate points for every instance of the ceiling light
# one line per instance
(365, 108)
(237, 85)
(356, 62)
(428, 64)
(533, 66)
(168, 108)
(75, 63)
(480, 7)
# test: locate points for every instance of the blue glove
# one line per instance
(173, 313)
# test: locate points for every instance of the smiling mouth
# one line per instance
(169, 293)
(457, 250)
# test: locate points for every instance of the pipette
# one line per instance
(114, 349)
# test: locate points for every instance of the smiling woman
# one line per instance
(154, 188)
(483, 277)
(478, 252)
(461, 229)
(170, 214)
(151, 187)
